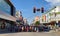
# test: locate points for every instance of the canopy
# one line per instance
(6, 16)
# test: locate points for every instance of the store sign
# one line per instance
(43, 18)
(21, 18)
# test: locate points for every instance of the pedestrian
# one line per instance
(3, 26)
(22, 28)
(30, 28)
(35, 29)
(27, 29)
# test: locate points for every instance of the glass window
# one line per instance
(5, 7)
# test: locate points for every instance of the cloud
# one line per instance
(54, 2)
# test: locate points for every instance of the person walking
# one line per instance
(22, 28)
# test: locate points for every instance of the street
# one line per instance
(29, 18)
(30, 34)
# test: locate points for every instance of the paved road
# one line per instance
(30, 34)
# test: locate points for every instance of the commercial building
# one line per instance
(52, 16)
(43, 19)
(18, 14)
(37, 18)
(25, 21)
(7, 12)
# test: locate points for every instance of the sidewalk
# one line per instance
(58, 33)
(3, 31)
(3, 34)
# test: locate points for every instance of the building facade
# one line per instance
(52, 16)
(37, 18)
(18, 14)
(25, 21)
(7, 12)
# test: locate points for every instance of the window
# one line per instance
(5, 7)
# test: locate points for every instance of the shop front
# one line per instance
(6, 20)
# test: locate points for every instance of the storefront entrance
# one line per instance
(6, 25)
(52, 22)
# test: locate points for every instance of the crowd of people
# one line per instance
(25, 28)
(28, 28)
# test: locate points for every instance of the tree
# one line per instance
(37, 23)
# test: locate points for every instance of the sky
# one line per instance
(26, 7)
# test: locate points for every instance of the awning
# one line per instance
(7, 16)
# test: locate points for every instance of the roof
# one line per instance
(51, 9)
(9, 2)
